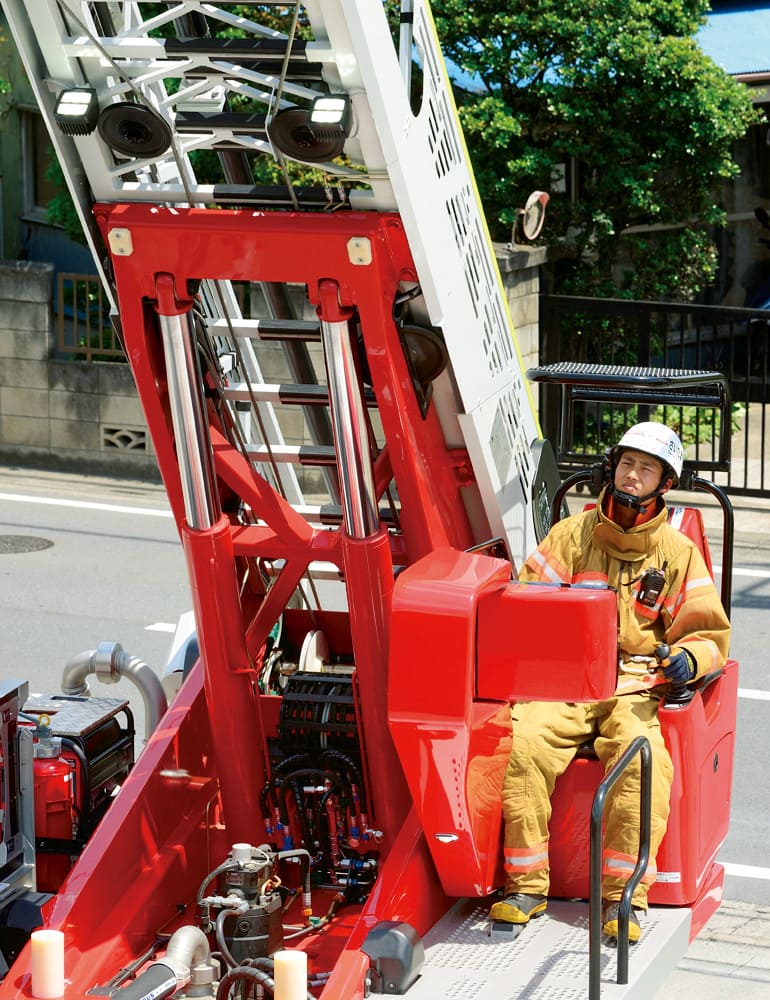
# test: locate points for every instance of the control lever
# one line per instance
(678, 694)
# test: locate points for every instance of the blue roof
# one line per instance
(737, 36)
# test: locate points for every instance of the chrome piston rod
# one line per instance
(193, 446)
(350, 431)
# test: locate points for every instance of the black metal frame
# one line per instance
(633, 385)
(678, 335)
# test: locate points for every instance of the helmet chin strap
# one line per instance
(631, 501)
(634, 502)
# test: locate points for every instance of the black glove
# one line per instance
(681, 668)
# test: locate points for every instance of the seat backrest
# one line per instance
(689, 521)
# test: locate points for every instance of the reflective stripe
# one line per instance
(622, 866)
(525, 859)
(546, 569)
(631, 683)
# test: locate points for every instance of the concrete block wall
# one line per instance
(520, 270)
(86, 415)
(62, 414)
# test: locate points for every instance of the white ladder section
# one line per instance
(411, 161)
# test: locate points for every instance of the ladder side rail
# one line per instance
(429, 169)
(33, 26)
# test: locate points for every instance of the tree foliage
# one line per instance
(618, 88)
(621, 89)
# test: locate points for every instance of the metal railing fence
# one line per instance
(726, 339)
(83, 328)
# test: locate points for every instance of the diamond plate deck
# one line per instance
(74, 716)
(548, 961)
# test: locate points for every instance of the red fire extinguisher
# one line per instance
(54, 808)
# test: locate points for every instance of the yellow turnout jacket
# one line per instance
(589, 548)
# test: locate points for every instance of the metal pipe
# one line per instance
(728, 534)
(405, 41)
(110, 663)
(348, 420)
(193, 446)
(188, 947)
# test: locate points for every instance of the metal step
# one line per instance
(548, 960)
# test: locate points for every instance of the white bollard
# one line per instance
(290, 975)
(47, 964)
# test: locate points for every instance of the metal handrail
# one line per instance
(640, 745)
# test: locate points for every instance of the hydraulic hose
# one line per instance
(110, 663)
(304, 858)
(352, 767)
(226, 866)
(187, 948)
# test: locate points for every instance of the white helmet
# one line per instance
(656, 440)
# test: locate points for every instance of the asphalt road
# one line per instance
(110, 567)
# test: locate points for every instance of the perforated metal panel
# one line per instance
(429, 170)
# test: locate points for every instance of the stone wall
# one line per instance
(86, 416)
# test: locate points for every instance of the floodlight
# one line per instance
(316, 135)
(76, 111)
(331, 112)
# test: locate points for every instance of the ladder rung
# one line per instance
(303, 395)
(316, 570)
(331, 514)
(267, 329)
(224, 48)
(306, 395)
(211, 121)
(304, 454)
(306, 197)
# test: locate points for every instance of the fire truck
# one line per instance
(279, 202)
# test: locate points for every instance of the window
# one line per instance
(38, 189)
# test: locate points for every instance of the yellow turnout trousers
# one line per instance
(546, 736)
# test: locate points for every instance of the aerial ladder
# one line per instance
(326, 778)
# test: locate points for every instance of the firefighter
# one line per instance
(665, 595)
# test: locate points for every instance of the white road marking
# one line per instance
(754, 694)
(745, 871)
(759, 574)
(86, 505)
